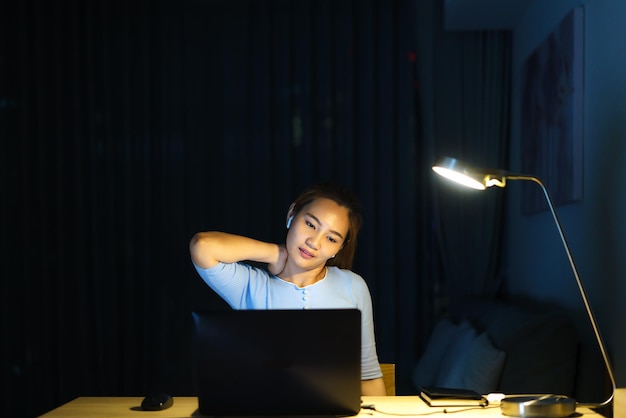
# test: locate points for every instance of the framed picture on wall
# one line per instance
(552, 116)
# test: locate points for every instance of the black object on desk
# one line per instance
(157, 402)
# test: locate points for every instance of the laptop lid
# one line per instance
(278, 362)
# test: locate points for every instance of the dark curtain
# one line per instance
(472, 119)
(128, 126)
(125, 127)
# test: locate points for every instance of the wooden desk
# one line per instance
(129, 407)
(619, 404)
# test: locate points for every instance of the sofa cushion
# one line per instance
(427, 367)
(484, 365)
(541, 353)
(540, 342)
(452, 368)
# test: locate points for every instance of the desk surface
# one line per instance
(129, 407)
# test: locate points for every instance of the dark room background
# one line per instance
(127, 126)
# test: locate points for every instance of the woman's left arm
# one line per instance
(373, 387)
(369, 357)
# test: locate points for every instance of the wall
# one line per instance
(536, 264)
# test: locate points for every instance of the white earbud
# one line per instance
(289, 222)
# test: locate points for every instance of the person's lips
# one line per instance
(305, 253)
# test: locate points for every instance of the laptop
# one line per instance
(278, 362)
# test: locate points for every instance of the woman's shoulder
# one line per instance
(345, 274)
(353, 283)
(334, 270)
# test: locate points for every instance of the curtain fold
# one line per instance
(473, 127)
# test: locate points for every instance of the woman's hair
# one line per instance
(343, 197)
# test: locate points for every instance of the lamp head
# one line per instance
(468, 176)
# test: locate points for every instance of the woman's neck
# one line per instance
(306, 278)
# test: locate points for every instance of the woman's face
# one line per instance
(317, 233)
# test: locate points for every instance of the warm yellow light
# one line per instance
(459, 178)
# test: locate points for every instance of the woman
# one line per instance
(310, 271)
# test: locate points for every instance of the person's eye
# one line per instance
(309, 224)
(331, 239)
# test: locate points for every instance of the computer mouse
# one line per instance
(157, 402)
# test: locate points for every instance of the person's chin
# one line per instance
(309, 263)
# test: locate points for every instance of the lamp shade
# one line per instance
(468, 176)
(452, 169)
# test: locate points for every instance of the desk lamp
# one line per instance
(537, 405)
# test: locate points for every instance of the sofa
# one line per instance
(494, 346)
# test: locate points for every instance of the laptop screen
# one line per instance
(278, 362)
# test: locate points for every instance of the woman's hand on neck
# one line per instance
(277, 267)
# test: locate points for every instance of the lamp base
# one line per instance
(548, 406)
